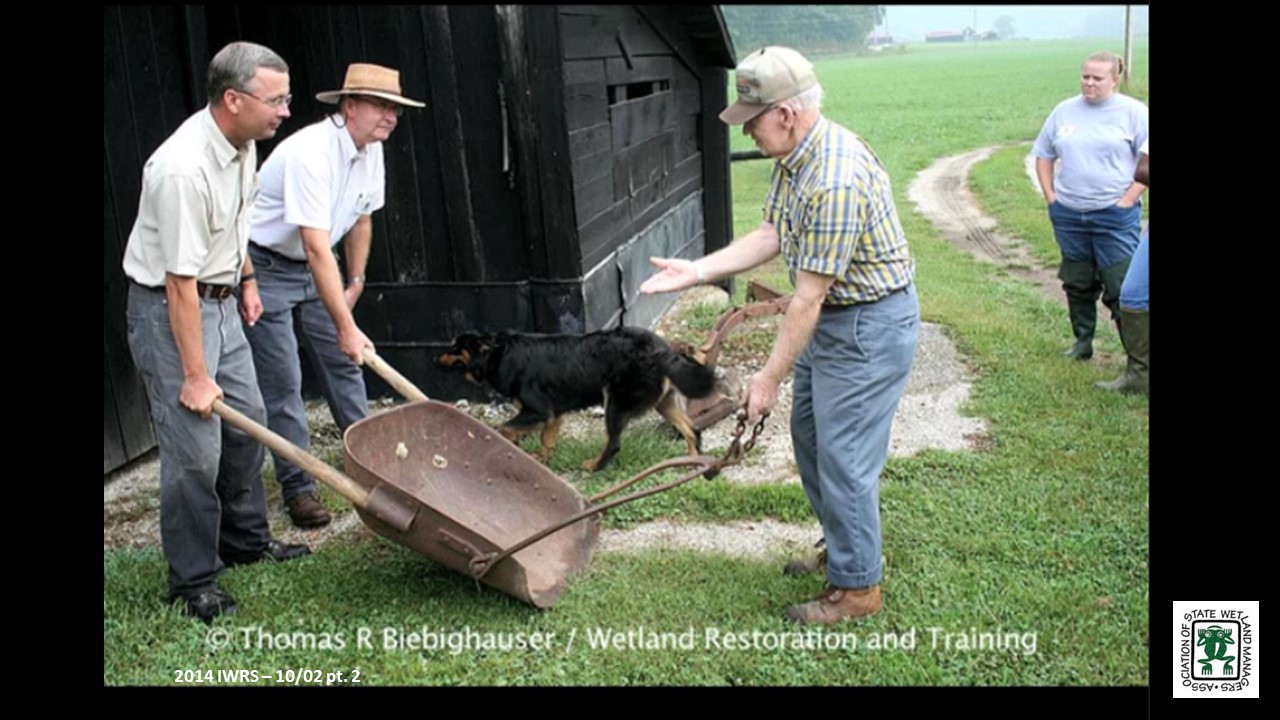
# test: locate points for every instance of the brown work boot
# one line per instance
(835, 604)
(306, 510)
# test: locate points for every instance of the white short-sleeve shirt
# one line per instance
(316, 178)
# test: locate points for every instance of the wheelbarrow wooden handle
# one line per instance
(357, 494)
(397, 381)
(345, 486)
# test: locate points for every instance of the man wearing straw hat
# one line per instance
(319, 186)
(850, 331)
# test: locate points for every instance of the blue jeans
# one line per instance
(211, 496)
(1134, 293)
(848, 382)
(290, 303)
(1101, 237)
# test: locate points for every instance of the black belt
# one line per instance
(838, 308)
(274, 254)
(203, 290)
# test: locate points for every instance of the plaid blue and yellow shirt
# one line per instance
(832, 205)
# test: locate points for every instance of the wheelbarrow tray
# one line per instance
(470, 492)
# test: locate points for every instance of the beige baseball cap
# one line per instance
(767, 76)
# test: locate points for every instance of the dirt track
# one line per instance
(941, 193)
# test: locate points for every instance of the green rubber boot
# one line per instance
(1135, 333)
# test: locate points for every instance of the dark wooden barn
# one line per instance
(561, 146)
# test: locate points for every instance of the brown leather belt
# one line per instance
(211, 292)
(214, 292)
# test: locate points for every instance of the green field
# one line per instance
(1044, 532)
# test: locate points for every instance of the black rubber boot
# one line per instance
(1112, 278)
(1080, 282)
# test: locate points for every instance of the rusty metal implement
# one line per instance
(434, 479)
(707, 411)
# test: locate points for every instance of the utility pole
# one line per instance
(1128, 44)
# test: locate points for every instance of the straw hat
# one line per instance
(369, 79)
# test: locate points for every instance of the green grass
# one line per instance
(1045, 531)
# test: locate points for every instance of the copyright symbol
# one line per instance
(217, 638)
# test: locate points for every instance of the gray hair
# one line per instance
(235, 65)
(809, 99)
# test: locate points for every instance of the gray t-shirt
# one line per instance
(1098, 146)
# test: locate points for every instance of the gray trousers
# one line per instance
(211, 496)
(291, 309)
(848, 382)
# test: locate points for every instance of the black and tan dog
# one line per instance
(628, 370)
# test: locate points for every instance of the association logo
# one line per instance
(1213, 642)
(1215, 650)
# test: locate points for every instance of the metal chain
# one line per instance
(755, 434)
(737, 451)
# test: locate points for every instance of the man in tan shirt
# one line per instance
(186, 254)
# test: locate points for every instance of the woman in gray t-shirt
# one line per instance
(1094, 203)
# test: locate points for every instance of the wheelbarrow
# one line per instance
(434, 479)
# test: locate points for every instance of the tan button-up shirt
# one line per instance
(197, 199)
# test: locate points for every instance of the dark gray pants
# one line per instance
(211, 496)
(290, 303)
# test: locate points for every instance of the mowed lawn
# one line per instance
(1021, 563)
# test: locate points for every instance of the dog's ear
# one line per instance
(485, 343)
(460, 354)
(478, 346)
(469, 351)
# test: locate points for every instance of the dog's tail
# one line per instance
(692, 378)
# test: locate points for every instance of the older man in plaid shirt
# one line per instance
(850, 331)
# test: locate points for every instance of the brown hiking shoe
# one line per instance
(835, 604)
(306, 510)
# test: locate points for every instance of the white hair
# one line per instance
(807, 100)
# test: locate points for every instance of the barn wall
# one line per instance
(633, 104)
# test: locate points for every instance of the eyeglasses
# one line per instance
(274, 103)
(382, 105)
(756, 120)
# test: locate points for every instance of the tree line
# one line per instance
(811, 29)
